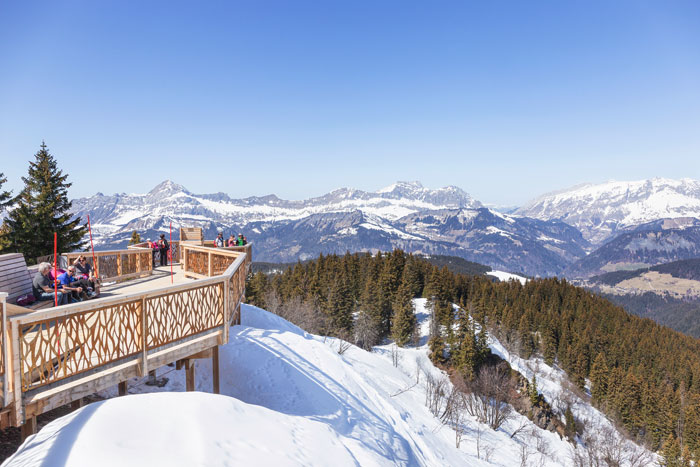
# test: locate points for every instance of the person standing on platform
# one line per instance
(163, 246)
(219, 242)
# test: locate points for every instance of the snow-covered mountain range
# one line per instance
(545, 237)
(601, 211)
(404, 215)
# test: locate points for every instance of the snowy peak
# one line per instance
(447, 197)
(167, 188)
(600, 210)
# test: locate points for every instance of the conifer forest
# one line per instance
(644, 376)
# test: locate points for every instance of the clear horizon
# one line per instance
(506, 101)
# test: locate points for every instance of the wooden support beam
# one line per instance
(189, 374)
(75, 405)
(215, 368)
(203, 354)
(28, 428)
(152, 377)
(123, 388)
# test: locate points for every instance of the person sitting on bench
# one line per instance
(77, 288)
(83, 270)
(42, 288)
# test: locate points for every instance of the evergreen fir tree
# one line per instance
(525, 336)
(533, 394)
(436, 344)
(42, 209)
(570, 423)
(340, 306)
(5, 196)
(255, 289)
(135, 238)
(599, 379)
(404, 320)
(671, 451)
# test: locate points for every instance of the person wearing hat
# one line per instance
(163, 247)
(220, 240)
(241, 240)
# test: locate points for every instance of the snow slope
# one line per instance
(294, 400)
(507, 276)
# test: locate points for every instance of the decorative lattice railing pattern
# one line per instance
(55, 348)
(177, 315)
(198, 262)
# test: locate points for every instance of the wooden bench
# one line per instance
(16, 280)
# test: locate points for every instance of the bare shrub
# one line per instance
(454, 413)
(395, 355)
(489, 396)
(343, 345)
(601, 446)
(297, 311)
(366, 332)
(435, 392)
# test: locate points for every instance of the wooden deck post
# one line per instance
(215, 368)
(152, 377)
(123, 388)
(28, 428)
(75, 405)
(144, 338)
(189, 374)
(4, 350)
(210, 269)
(17, 376)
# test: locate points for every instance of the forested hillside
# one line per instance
(681, 315)
(645, 376)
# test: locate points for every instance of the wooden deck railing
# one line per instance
(118, 264)
(54, 350)
(202, 261)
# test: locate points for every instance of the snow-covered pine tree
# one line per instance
(42, 209)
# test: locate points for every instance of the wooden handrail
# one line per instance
(64, 341)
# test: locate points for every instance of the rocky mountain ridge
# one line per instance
(563, 233)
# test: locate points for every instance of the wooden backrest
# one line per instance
(14, 276)
(191, 234)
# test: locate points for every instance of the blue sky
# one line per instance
(504, 99)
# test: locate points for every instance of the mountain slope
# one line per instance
(599, 211)
(294, 400)
(512, 243)
(657, 242)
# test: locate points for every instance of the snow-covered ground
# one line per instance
(291, 398)
(507, 276)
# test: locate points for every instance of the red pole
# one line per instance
(94, 263)
(55, 270)
(170, 252)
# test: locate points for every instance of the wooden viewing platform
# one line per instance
(59, 355)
